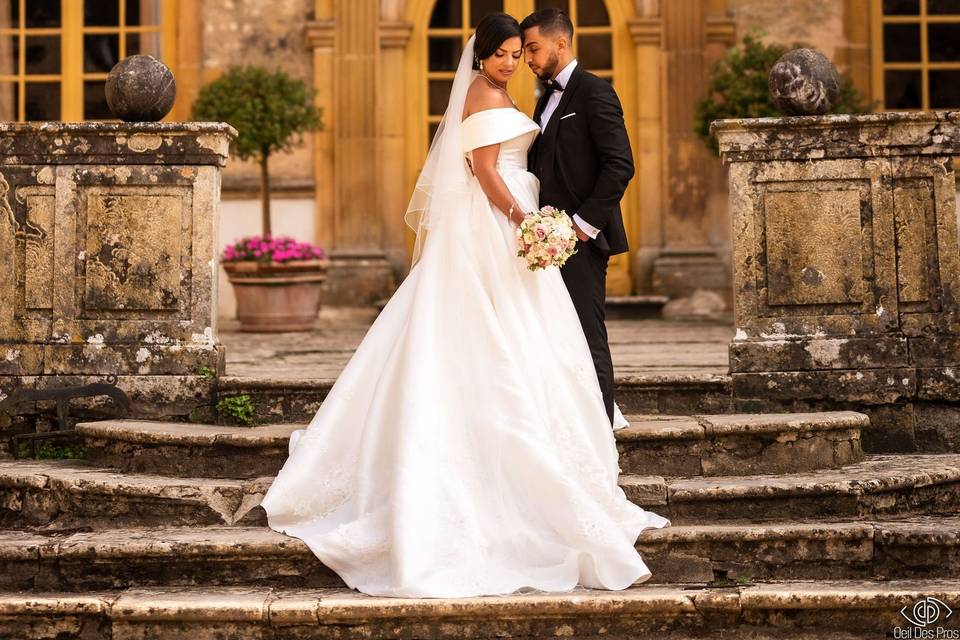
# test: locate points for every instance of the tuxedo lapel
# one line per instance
(549, 137)
(541, 105)
(534, 153)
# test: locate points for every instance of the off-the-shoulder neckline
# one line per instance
(476, 113)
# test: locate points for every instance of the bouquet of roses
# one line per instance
(546, 238)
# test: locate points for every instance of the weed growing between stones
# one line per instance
(52, 451)
(236, 409)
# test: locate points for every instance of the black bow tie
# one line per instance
(550, 86)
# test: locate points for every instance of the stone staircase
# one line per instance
(297, 400)
(782, 528)
(803, 611)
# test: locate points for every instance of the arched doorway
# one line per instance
(442, 27)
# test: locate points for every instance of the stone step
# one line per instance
(232, 556)
(840, 610)
(68, 493)
(297, 400)
(881, 485)
(916, 547)
(651, 445)
(59, 493)
(720, 445)
(634, 307)
(185, 449)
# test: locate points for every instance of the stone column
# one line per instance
(189, 62)
(359, 273)
(646, 34)
(108, 259)
(394, 194)
(686, 261)
(846, 270)
(853, 56)
(319, 37)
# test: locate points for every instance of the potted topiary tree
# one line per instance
(738, 87)
(277, 280)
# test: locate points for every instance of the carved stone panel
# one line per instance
(928, 265)
(37, 244)
(916, 236)
(814, 252)
(137, 246)
(27, 233)
(814, 258)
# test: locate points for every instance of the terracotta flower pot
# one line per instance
(277, 296)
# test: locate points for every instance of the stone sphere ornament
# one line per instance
(140, 88)
(804, 82)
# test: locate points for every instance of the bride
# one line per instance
(465, 448)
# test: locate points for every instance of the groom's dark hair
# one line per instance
(492, 31)
(550, 21)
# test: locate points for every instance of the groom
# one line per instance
(584, 163)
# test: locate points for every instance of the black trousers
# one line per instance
(585, 275)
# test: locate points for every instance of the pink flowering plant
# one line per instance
(271, 249)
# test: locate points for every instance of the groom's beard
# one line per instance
(547, 71)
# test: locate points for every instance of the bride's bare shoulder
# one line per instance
(482, 96)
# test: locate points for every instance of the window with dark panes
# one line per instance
(453, 21)
(55, 54)
(451, 25)
(30, 60)
(919, 47)
(592, 34)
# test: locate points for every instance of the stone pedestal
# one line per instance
(846, 271)
(680, 272)
(358, 279)
(108, 258)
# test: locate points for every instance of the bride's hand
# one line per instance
(517, 217)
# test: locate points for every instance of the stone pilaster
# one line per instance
(359, 271)
(686, 260)
(393, 99)
(346, 42)
(853, 56)
(320, 38)
(645, 31)
(356, 52)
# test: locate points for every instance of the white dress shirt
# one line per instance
(563, 78)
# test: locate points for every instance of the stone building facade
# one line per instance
(381, 68)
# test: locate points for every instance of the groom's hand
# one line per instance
(580, 234)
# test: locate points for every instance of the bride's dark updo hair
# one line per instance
(492, 31)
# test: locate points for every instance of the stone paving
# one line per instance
(644, 347)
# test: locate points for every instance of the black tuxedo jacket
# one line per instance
(583, 158)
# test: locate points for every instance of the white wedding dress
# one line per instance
(465, 449)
